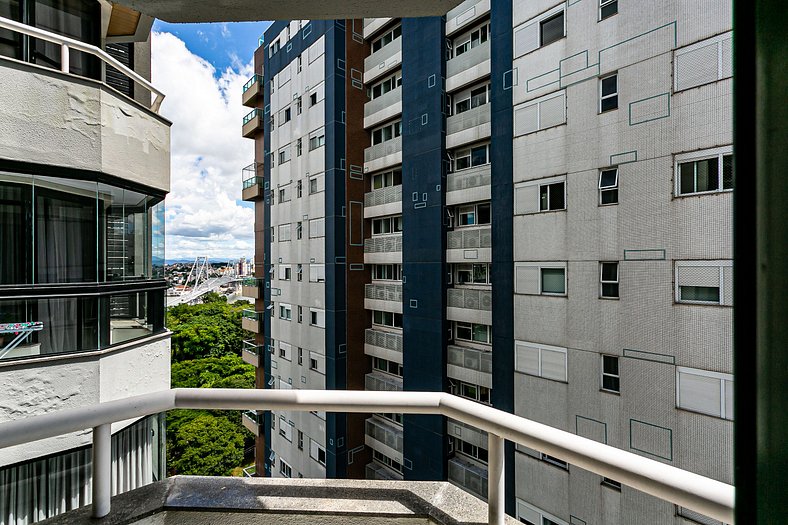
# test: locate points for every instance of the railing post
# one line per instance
(102, 470)
(496, 487)
(65, 59)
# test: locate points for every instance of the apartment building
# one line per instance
(547, 229)
(307, 185)
(84, 169)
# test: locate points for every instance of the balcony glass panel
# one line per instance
(390, 147)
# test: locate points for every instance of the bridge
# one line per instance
(203, 288)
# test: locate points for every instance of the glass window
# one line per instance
(551, 197)
(16, 205)
(607, 8)
(551, 29)
(553, 281)
(610, 375)
(706, 175)
(609, 280)
(608, 93)
(608, 186)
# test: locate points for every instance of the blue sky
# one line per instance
(202, 68)
(221, 44)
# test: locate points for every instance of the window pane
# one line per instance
(707, 172)
(609, 103)
(608, 10)
(699, 293)
(727, 172)
(609, 85)
(16, 232)
(687, 176)
(553, 280)
(609, 197)
(480, 273)
(608, 179)
(484, 213)
(557, 196)
(479, 156)
(610, 271)
(481, 333)
(552, 29)
(610, 364)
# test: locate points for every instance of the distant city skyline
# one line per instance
(204, 211)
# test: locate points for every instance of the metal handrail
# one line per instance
(67, 43)
(687, 489)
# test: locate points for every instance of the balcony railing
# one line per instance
(252, 421)
(698, 493)
(252, 121)
(252, 321)
(252, 90)
(389, 340)
(468, 475)
(469, 178)
(66, 44)
(378, 152)
(383, 292)
(469, 238)
(379, 382)
(253, 353)
(252, 287)
(383, 108)
(383, 244)
(382, 60)
(252, 181)
(383, 196)
(468, 126)
(387, 433)
(469, 299)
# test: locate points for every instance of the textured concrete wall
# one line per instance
(645, 327)
(38, 386)
(50, 118)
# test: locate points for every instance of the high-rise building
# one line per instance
(546, 228)
(84, 169)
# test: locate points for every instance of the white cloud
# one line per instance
(204, 216)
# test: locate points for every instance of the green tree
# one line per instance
(212, 328)
(227, 371)
(206, 445)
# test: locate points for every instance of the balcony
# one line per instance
(380, 382)
(468, 475)
(386, 345)
(462, 16)
(469, 185)
(383, 249)
(253, 122)
(468, 67)
(692, 491)
(469, 126)
(383, 155)
(252, 179)
(469, 245)
(253, 421)
(383, 108)
(252, 321)
(384, 60)
(469, 305)
(253, 91)
(252, 287)
(373, 25)
(385, 437)
(253, 354)
(388, 297)
(469, 365)
(385, 201)
(376, 471)
(54, 117)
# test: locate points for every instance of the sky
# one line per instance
(201, 68)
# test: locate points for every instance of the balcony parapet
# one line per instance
(469, 126)
(253, 353)
(252, 287)
(383, 60)
(680, 487)
(383, 155)
(469, 185)
(386, 345)
(383, 108)
(469, 365)
(253, 421)
(383, 249)
(468, 475)
(379, 382)
(252, 123)
(252, 90)
(468, 67)
(469, 245)
(252, 181)
(252, 321)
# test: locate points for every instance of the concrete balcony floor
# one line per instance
(196, 500)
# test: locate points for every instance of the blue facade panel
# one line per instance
(424, 239)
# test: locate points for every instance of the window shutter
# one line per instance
(526, 119)
(726, 297)
(699, 393)
(526, 279)
(728, 399)
(553, 365)
(281, 271)
(552, 111)
(526, 199)
(727, 58)
(699, 276)
(312, 449)
(526, 358)
(526, 39)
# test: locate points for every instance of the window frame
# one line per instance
(700, 155)
(541, 281)
(467, 152)
(603, 282)
(608, 188)
(540, 370)
(723, 378)
(609, 96)
(605, 3)
(721, 264)
(616, 376)
(547, 17)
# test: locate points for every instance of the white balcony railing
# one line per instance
(67, 44)
(704, 495)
